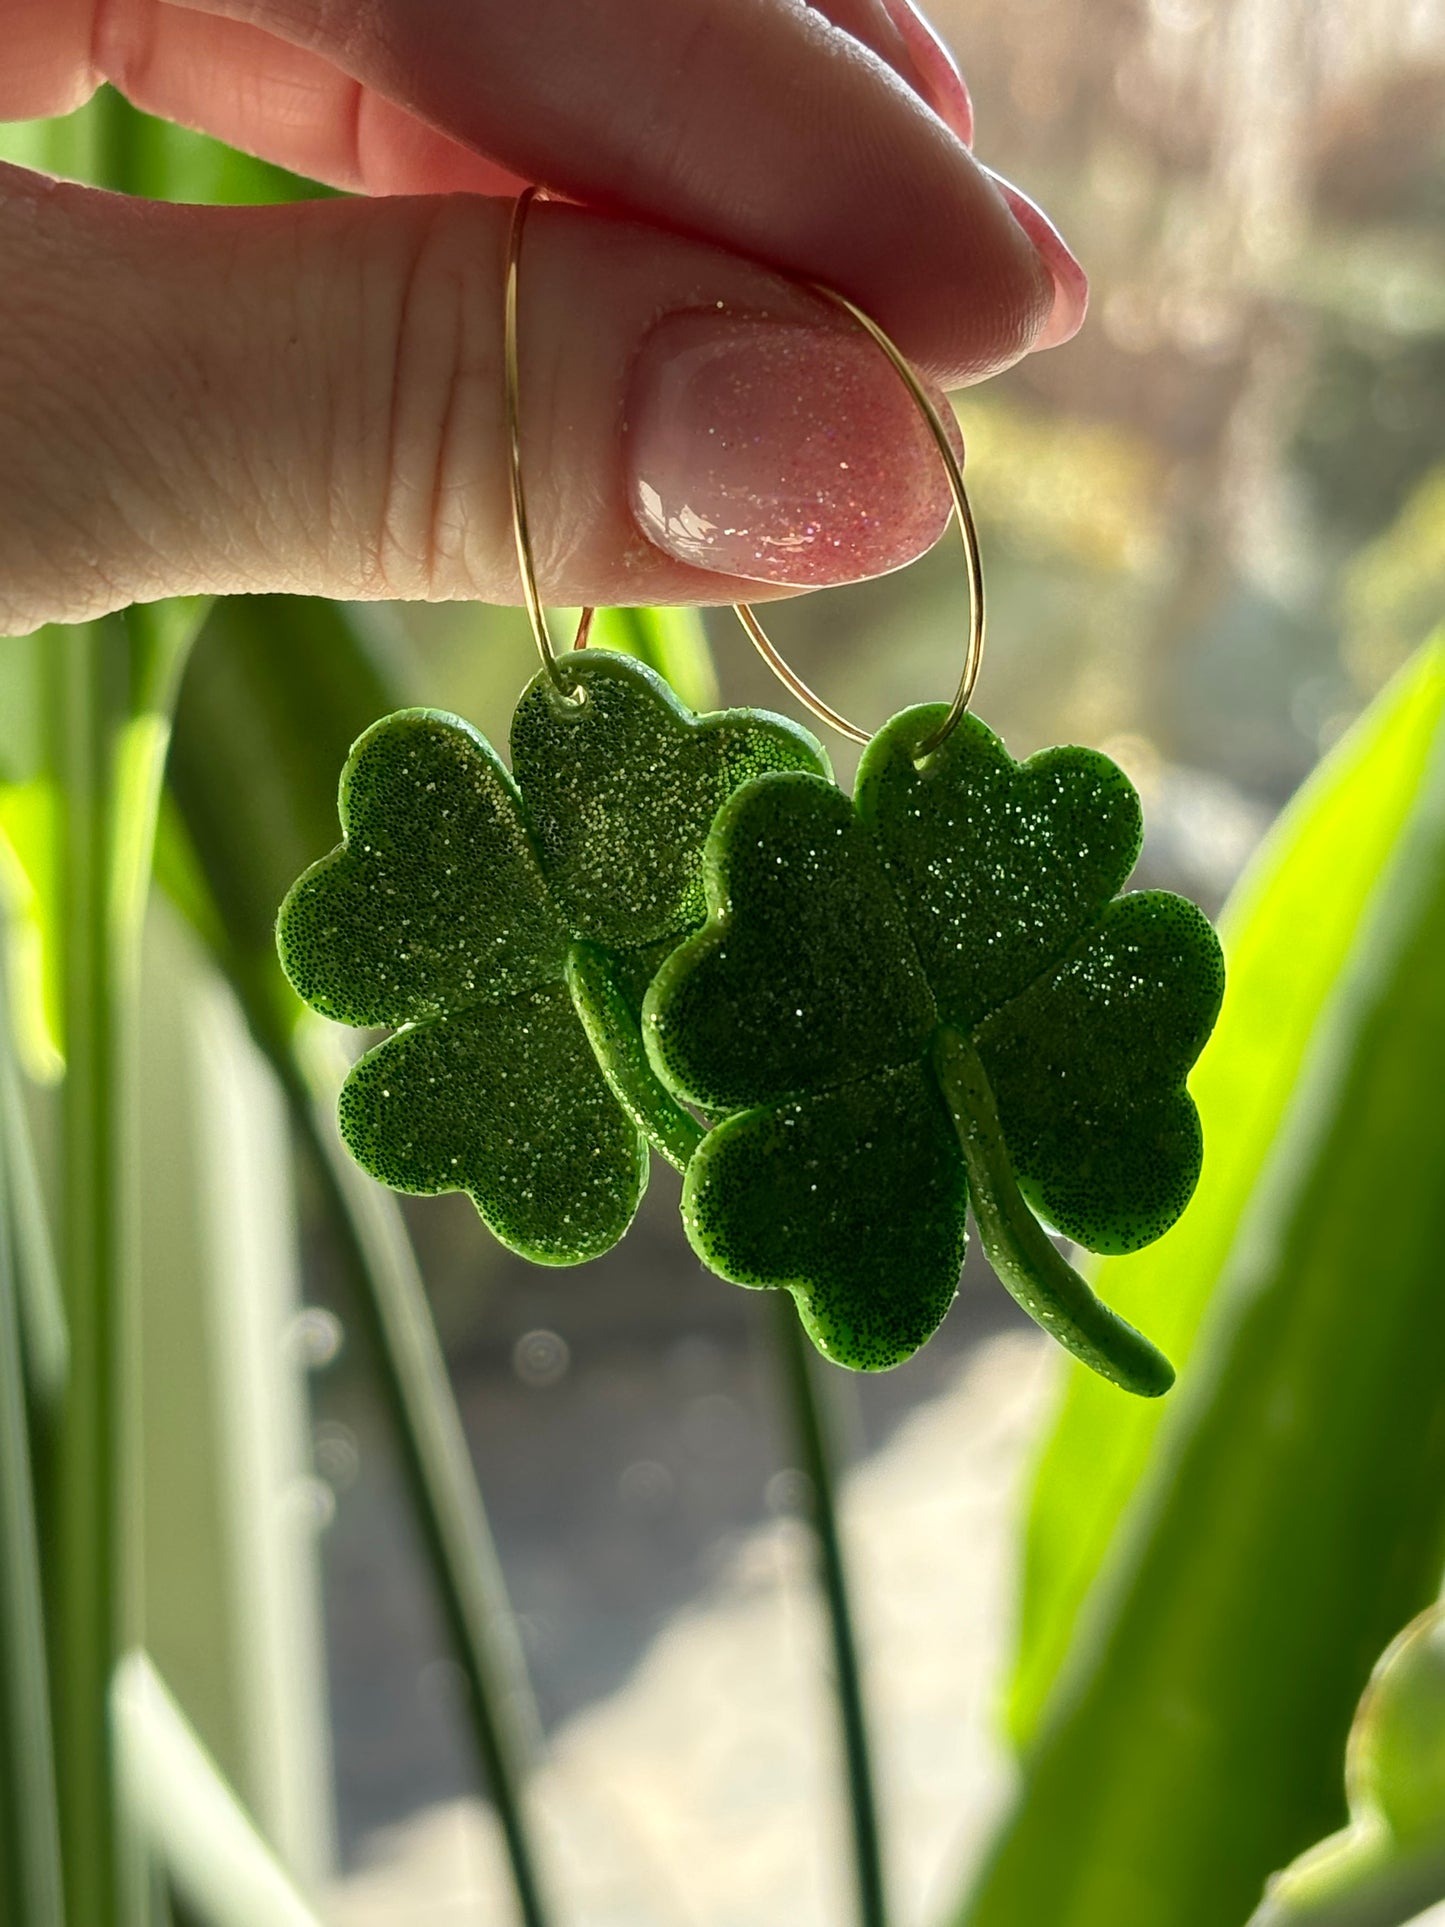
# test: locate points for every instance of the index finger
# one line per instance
(756, 124)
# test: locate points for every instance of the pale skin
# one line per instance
(309, 398)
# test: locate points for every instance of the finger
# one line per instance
(898, 33)
(298, 110)
(310, 398)
(759, 125)
(238, 83)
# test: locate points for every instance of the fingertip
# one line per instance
(780, 451)
(941, 83)
(1070, 301)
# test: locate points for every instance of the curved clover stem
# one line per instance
(1020, 1251)
(809, 1421)
(436, 1459)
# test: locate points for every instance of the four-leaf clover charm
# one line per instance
(505, 927)
(926, 997)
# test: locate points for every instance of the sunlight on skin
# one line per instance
(307, 398)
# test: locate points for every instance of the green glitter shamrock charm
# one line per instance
(505, 926)
(926, 997)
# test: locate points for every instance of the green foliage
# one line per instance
(281, 687)
(1287, 932)
(1389, 1863)
(1293, 1512)
(31, 1880)
(449, 910)
(278, 689)
(969, 896)
(112, 144)
(213, 1857)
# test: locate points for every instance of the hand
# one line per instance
(310, 397)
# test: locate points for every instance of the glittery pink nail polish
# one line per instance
(778, 451)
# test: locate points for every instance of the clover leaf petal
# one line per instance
(1088, 1067)
(958, 920)
(510, 929)
(504, 1101)
(999, 866)
(853, 1200)
(436, 896)
(803, 976)
(622, 787)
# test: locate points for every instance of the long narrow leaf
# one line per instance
(1287, 931)
(84, 1495)
(193, 1823)
(808, 1406)
(1295, 1515)
(276, 694)
(1389, 1863)
(30, 1872)
(45, 1340)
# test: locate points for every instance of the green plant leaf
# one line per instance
(1395, 1763)
(31, 1878)
(1286, 931)
(110, 143)
(968, 897)
(449, 909)
(210, 1848)
(276, 692)
(283, 684)
(1388, 1864)
(1294, 1510)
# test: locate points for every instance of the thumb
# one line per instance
(310, 398)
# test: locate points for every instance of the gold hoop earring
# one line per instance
(520, 531)
(746, 614)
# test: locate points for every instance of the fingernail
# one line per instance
(941, 83)
(778, 451)
(1071, 284)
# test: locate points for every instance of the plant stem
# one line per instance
(84, 1500)
(31, 1883)
(1020, 1251)
(812, 1434)
(113, 684)
(220, 1869)
(435, 1457)
(44, 1341)
(1368, 1881)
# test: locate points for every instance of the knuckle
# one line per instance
(441, 527)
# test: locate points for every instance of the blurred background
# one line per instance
(1214, 527)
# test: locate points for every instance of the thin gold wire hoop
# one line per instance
(520, 531)
(973, 653)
